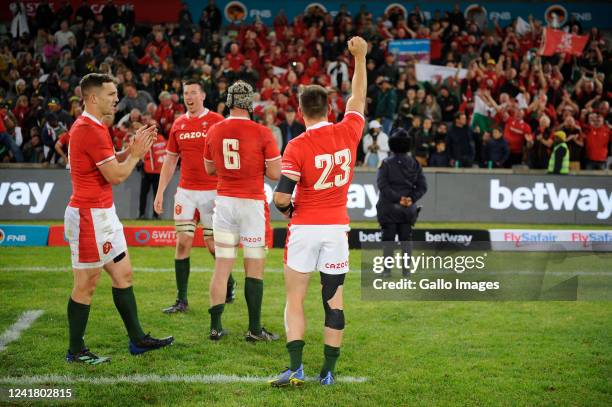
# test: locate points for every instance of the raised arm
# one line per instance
(359, 85)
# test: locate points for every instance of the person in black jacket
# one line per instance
(401, 184)
(496, 150)
(460, 142)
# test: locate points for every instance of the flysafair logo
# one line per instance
(1, 235)
(545, 196)
(26, 194)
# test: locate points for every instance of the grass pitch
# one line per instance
(411, 353)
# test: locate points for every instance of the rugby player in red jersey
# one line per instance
(91, 225)
(320, 163)
(196, 190)
(240, 151)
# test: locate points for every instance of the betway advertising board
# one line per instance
(461, 197)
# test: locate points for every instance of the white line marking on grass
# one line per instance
(14, 331)
(280, 270)
(143, 379)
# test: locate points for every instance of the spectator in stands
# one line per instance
(424, 139)
(290, 127)
(439, 157)
(51, 132)
(375, 145)
(152, 164)
(449, 105)
(33, 149)
(516, 132)
(63, 117)
(386, 104)
(460, 143)
(165, 112)
(6, 139)
(597, 140)
(559, 159)
(134, 99)
(270, 120)
(540, 146)
(501, 68)
(574, 140)
(495, 150)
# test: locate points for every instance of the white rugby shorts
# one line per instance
(242, 216)
(95, 236)
(321, 248)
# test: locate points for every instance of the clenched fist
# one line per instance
(358, 47)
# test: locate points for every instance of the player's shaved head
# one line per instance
(94, 81)
(313, 102)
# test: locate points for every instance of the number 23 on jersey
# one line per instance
(327, 163)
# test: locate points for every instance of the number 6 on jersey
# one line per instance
(231, 157)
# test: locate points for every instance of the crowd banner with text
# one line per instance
(406, 49)
(437, 73)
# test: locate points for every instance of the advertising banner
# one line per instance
(553, 240)
(136, 236)
(589, 13)
(152, 11)
(451, 196)
(23, 235)
(157, 236)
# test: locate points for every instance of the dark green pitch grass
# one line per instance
(412, 353)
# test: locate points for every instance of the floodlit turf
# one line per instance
(412, 353)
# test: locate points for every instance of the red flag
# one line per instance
(558, 42)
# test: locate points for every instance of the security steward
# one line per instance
(401, 184)
(560, 158)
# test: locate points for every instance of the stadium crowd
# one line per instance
(503, 113)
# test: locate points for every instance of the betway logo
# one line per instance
(545, 196)
(24, 194)
(448, 238)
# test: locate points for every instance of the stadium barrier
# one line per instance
(453, 196)
(135, 236)
(440, 239)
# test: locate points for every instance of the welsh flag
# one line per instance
(557, 42)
